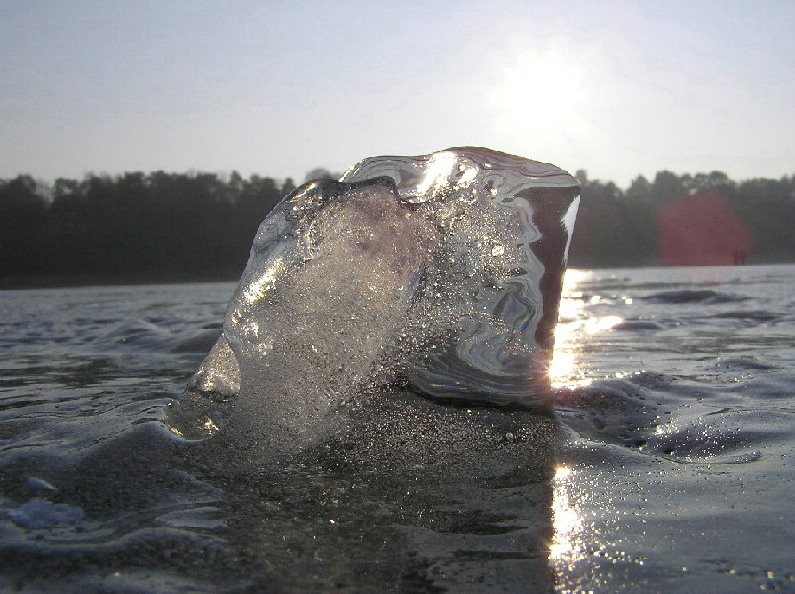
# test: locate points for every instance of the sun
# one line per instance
(539, 91)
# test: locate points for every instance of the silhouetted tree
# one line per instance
(667, 186)
(639, 190)
(320, 173)
(22, 227)
(288, 186)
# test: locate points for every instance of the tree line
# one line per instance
(159, 226)
(618, 228)
(133, 227)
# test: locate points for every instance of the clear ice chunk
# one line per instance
(443, 270)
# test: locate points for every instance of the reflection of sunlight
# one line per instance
(257, 289)
(594, 325)
(568, 223)
(440, 171)
(563, 371)
(571, 332)
(566, 546)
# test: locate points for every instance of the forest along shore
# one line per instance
(191, 227)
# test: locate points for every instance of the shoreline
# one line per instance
(67, 281)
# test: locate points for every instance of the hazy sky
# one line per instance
(278, 88)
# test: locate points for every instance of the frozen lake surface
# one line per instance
(668, 465)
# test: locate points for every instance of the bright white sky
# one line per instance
(619, 88)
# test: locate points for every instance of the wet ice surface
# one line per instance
(442, 269)
(670, 467)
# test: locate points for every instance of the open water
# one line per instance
(668, 466)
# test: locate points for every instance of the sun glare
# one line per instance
(539, 89)
(439, 168)
(565, 548)
(563, 369)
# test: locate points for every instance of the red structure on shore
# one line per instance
(702, 230)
